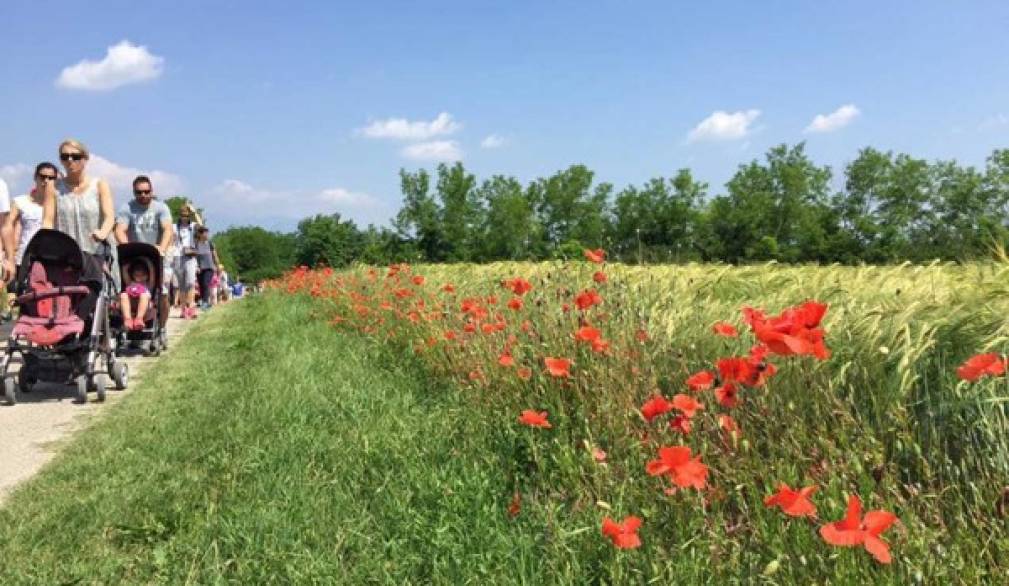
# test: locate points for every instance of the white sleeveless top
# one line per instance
(79, 214)
(30, 216)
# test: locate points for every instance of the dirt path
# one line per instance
(49, 413)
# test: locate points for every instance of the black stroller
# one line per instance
(62, 333)
(152, 338)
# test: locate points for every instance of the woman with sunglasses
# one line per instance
(81, 207)
(25, 218)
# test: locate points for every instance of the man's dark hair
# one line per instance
(142, 179)
(45, 165)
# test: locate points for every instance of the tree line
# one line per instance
(890, 208)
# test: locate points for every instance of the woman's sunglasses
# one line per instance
(43, 177)
(72, 156)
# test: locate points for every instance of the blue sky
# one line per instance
(265, 112)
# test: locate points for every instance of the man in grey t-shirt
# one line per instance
(143, 219)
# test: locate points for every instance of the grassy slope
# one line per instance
(271, 448)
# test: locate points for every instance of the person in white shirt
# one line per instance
(5, 276)
(25, 218)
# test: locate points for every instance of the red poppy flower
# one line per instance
(641, 335)
(729, 425)
(981, 365)
(728, 395)
(519, 286)
(597, 256)
(683, 470)
(625, 534)
(587, 299)
(448, 288)
(587, 334)
(600, 346)
(534, 419)
(687, 405)
(526, 326)
(700, 381)
(516, 505)
(793, 503)
(450, 335)
(725, 329)
(524, 373)
(558, 367)
(506, 360)
(855, 530)
(418, 280)
(599, 277)
(515, 303)
(681, 423)
(469, 328)
(655, 406)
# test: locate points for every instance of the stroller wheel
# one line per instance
(120, 372)
(99, 384)
(10, 391)
(82, 388)
(26, 380)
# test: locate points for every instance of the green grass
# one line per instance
(272, 449)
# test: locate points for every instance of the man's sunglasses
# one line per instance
(141, 192)
(47, 177)
(72, 156)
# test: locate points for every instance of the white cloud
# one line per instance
(17, 176)
(493, 141)
(403, 129)
(438, 150)
(235, 202)
(123, 64)
(836, 120)
(120, 178)
(724, 126)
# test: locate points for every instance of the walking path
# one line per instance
(29, 429)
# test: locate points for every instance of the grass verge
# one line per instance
(270, 449)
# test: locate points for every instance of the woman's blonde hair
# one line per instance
(74, 143)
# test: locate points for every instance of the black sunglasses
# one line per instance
(142, 191)
(47, 177)
(72, 156)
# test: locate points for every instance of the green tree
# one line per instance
(419, 217)
(460, 212)
(327, 241)
(253, 254)
(510, 230)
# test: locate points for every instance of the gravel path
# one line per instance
(29, 429)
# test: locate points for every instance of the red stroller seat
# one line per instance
(49, 315)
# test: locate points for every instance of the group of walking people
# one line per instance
(81, 206)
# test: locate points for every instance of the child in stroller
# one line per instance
(136, 293)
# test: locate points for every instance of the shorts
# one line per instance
(185, 273)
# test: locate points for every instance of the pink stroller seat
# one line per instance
(53, 309)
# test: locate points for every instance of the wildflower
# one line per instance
(641, 335)
(506, 360)
(418, 280)
(683, 470)
(728, 395)
(524, 373)
(515, 303)
(727, 423)
(519, 286)
(654, 407)
(681, 423)
(725, 329)
(687, 405)
(625, 534)
(981, 365)
(587, 299)
(856, 530)
(448, 288)
(597, 256)
(793, 503)
(598, 455)
(515, 506)
(599, 277)
(600, 346)
(700, 381)
(558, 367)
(534, 419)
(587, 334)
